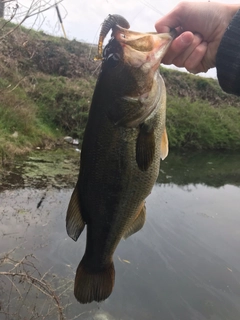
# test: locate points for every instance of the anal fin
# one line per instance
(137, 224)
(145, 148)
(164, 145)
(74, 221)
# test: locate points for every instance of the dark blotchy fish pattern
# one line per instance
(124, 139)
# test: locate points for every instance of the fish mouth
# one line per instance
(143, 48)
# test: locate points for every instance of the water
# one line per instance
(183, 265)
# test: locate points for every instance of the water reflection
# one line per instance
(210, 168)
(183, 265)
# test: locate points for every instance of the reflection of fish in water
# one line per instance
(125, 138)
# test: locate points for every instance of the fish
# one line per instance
(124, 140)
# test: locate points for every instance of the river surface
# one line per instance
(183, 265)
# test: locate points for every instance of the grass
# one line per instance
(199, 125)
(199, 114)
(64, 103)
(47, 83)
(37, 106)
(20, 128)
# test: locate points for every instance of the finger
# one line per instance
(179, 61)
(194, 62)
(169, 21)
(178, 46)
(162, 28)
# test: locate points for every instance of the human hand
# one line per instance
(200, 26)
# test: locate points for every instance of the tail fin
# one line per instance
(93, 286)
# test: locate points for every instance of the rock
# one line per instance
(102, 315)
(68, 139)
(71, 140)
(15, 134)
(75, 142)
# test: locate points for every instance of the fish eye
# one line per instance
(113, 60)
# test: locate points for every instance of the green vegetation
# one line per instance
(199, 114)
(47, 83)
(20, 128)
(199, 125)
(46, 87)
(64, 102)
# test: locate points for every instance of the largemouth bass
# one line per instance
(124, 139)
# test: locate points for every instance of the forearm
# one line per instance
(228, 58)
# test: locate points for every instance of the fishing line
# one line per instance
(92, 45)
(137, 14)
(150, 6)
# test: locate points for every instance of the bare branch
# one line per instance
(36, 8)
(26, 280)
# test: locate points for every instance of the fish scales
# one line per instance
(124, 139)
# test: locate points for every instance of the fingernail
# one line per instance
(162, 29)
(199, 36)
(186, 38)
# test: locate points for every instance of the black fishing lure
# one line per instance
(111, 21)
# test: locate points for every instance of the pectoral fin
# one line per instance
(137, 224)
(126, 112)
(164, 145)
(130, 112)
(145, 148)
(74, 221)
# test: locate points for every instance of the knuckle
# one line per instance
(190, 64)
(199, 51)
(183, 5)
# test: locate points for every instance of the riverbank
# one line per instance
(46, 87)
